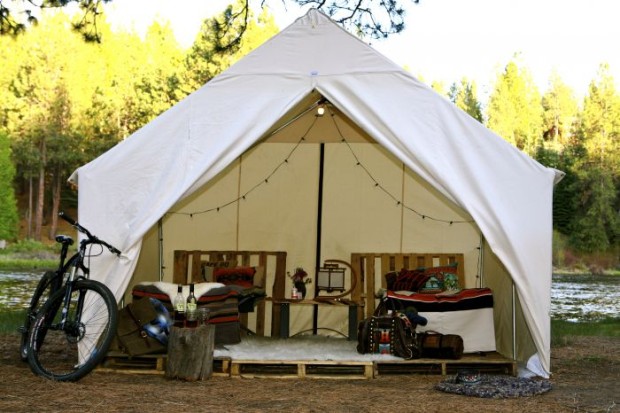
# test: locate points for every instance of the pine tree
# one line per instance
(8, 207)
(597, 225)
(464, 96)
(560, 113)
(514, 111)
(207, 58)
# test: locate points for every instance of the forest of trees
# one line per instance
(65, 101)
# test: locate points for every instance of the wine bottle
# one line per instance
(179, 308)
(191, 308)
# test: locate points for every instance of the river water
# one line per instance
(573, 297)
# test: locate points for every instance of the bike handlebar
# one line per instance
(91, 237)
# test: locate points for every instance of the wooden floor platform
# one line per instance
(490, 362)
(317, 369)
(302, 369)
(116, 362)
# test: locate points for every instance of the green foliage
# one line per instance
(207, 57)
(64, 102)
(464, 96)
(515, 110)
(9, 263)
(584, 144)
(564, 199)
(601, 121)
(439, 87)
(596, 225)
(26, 12)
(560, 113)
(10, 321)
(28, 254)
(8, 207)
(27, 246)
(562, 331)
(365, 17)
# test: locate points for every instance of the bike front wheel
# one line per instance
(49, 283)
(69, 350)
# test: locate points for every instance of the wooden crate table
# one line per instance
(284, 306)
(190, 353)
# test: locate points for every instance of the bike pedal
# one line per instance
(21, 329)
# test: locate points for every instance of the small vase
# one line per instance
(301, 287)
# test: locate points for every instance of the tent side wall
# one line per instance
(497, 278)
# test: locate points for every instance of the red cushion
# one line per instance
(241, 276)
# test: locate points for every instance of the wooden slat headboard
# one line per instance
(274, 263)
(371, 266)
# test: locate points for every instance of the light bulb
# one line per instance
(320, 111)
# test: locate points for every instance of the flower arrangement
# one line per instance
(300, 280)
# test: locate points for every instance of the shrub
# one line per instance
(29, 249)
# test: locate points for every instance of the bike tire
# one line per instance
(53, 350)
(47, 285)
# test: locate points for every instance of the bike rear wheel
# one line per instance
(69, 352)
(47, 285)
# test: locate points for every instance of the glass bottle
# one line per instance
(179, 308)
(191, 309)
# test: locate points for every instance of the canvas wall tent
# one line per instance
(242, 131)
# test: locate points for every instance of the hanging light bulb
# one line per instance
(320, 111)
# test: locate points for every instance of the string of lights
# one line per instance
(285, 161)
(258, 184)
(382, 188)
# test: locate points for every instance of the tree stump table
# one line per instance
(190, 353)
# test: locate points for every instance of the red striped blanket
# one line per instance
(467, 299)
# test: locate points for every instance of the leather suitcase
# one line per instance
(441, 346)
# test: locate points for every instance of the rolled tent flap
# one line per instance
(125, 191)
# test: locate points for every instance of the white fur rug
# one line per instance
(296, 348)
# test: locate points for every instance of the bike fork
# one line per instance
(67, 300)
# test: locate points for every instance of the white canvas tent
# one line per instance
(244, 127)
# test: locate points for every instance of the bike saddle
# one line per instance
(63, 239)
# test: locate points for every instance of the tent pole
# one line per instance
(160, 237)
(514, 322)
(319, 224)
(481, 262)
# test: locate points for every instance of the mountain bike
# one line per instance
(72, 319)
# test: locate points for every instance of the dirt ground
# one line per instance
(586, 378)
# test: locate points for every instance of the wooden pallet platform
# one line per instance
(491, 362)
(152, 364)
(302, 369)
(316, 369)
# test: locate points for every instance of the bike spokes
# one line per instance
(69, 348)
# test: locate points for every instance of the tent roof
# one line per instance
(126, 190)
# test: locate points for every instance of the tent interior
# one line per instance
(319, 187)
